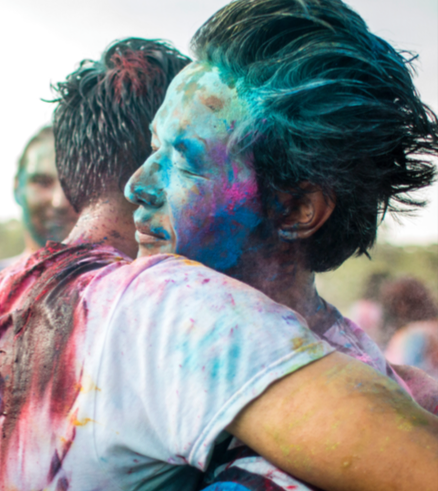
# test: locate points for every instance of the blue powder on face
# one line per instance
(161, 231)
(232, 233)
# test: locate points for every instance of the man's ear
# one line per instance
(302, 217)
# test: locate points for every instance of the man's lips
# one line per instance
(144, 235)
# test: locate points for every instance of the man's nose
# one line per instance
(145, 187)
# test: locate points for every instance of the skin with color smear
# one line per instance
(197, 198)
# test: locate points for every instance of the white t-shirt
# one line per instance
(166, 353)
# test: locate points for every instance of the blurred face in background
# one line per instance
(47, 214)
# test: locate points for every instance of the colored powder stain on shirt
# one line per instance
(45, 345)
(83, 422)
(314, 349)
(138, 302)
(88, 385)
(189, 262)
(297, 343)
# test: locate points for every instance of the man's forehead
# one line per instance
(203, 83)
(196, 92)
(40, 157)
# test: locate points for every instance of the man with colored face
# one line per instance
(274, 155)
(117, 374)
(47, 214)
(197, 200)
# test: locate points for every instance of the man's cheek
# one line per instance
(37, 197)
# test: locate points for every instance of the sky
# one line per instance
(43, 41)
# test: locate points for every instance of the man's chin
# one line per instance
(146, 250)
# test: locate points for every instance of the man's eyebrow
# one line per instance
(40, 175)
(182, 142)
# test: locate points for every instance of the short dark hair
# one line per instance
(43, 134)
(331, 104)
(105, 107)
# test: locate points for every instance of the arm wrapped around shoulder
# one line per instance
(340, 425)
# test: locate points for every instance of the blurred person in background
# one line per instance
(47, 215)
(367, 312)
(411, 318)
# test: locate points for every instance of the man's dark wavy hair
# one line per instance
(105, 107)
(331, 104)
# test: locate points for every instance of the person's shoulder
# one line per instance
(56, 264)
(181, 288)
(171, 275)
(174, 263)
(128, 272)
(169, 269)
(175, 269)
(173, 289)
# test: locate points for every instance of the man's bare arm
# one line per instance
(340, 425)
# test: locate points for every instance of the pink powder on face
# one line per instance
(239, 190)
(238, 193)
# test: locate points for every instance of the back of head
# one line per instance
(105, 107)
(331, 104)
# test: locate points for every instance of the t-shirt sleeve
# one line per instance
(186, 349)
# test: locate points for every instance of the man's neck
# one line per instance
(108, 222)
(286, 281)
